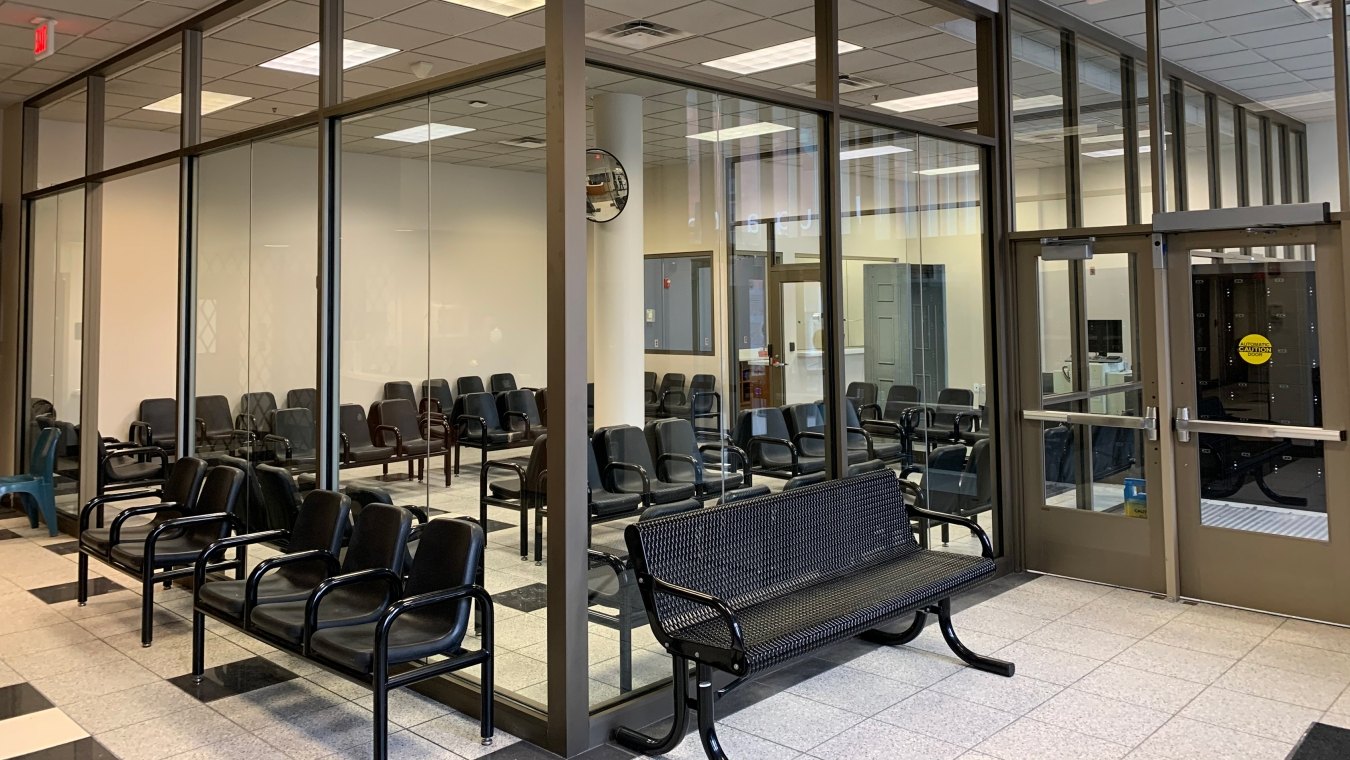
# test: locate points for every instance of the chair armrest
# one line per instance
(511, 467)
(673, 392)
(402, 606)
(875, 409)
(871, 450)
(233, 542)
(885, 427)
(398, 436)
(758, 442)
(183, 522)
(274, 439)
(717, 401)
(147, 433)
(742, 458)
(986, 546)
(523, 417)
(272, 563)
(974, 418)
(134, 450)
(100, 501)
(419, 514)
(694, 463)
(463, 420)
(615, 563)
(201, 429)
(346, 447)
(115, 530)
(652, 586)
(814, 435)
(637, 468)
(393, 589)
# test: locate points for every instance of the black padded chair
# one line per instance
(974, 489)
(156, 424)
(764, 436)
(701, 405)
(251, 510)
(862, 396)
(180, 489)
(358, 449)
(627, 466)
(437, 396)
(524, 490)
(939, 480)
(280, 496)
(903, 405)
(862, 438)
(945, 422)
(171, 548)
(1059, 467)
(318, 532)
(430, 619)
(671, 391)
(215, 425)
(378, 544)
(479, 426)
(853, 471)
(502, 382)
(305, 398)
(292, 438)
(712, 467)
(400, 389)
(541, 401)
(414, 439)
(469, 384)
(649, 395)
(519, 411)
(126, 465)
(255, 412)
(806, 422)
(603, 504)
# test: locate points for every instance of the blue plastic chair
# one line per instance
(37, 485)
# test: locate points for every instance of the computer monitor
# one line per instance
(1106, 336)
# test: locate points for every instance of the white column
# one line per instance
(619, 301)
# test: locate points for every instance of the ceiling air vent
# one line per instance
(638, 34)
(847, 83)
(525, 142)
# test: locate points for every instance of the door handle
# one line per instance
(1186, 426)
(1147, 423)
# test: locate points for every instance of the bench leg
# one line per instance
(979, 662)
(707, 721)
(888, 638)
(648, 745)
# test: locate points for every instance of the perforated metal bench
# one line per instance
(749, 586)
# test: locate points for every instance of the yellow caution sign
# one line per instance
(1255, 349)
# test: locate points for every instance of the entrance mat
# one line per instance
(1322, 742)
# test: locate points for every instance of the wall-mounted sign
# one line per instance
(44, 38)
(1255, 349)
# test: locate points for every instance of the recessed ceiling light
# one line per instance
(424, 133)
(500, 7)
(740, 132)
(1040, 101)
(306, 59)
(966, 168)
(211, 102)
(1113, 152)
(875, 150)
(931, 100)
(776, 57)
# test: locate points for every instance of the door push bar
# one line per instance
(1186, 426)
(1147, 423)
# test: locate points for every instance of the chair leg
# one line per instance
(147, 606)
(707, 721)
(538, 535)
(198, 646)
(650, 745)
(30, 506)
(888, 638)
(456, 457)
(979, 662)
(380, 750)
(625, 653)
(82, 584)
(488, 694)
(524, 533)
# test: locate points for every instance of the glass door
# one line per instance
(1088, 369)
(1259, 367)
(796, 335)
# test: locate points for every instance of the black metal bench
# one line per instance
(749, 586)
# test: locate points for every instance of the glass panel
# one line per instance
(61, 140)
(1257, 360)
(143, 110)
(1109, 294)
(803, 332)
(1143, 104)
(1114, 456)
(1057, 335)
(137, 321)
(679, 303)
(1038, 126)
(244, 85)
(1195, 123)
(1228, 166)
(1256, 156)
(56, 323)
(1102, 130)
(1277, 159)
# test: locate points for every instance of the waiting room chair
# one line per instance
(280, 496)
(862, 396)
(180, 490)
(437, 396)
(764, 436)
(156, 425)
(413, 437)
(251, 510)
(215, 425)
(303, 398)
(358, 449)
(126, 465)
(700, 405)
(945, 421)
(806, 422)
(255, 412)
(649, 394)
(711, 467)
(502, 382)
(292, 440)
(37, 487)
(525, 489)
(479, 426)
(603, 504)
(469, 384)
(519, 411)
(670, 392)
(939, 479)
(628, 467)
(400, 389)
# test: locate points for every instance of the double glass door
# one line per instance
(1184, 408)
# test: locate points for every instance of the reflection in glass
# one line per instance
(1194, 115)
(1102, 130)
(1038, 126)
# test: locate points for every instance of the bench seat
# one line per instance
(786, 627)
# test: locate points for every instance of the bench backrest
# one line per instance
(764, 548)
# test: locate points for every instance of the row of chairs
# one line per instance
(699, 402)
(357, 597)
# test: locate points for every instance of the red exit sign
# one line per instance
(44, 39)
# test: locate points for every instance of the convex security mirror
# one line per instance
(606, 186)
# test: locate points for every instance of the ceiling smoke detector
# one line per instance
(638, 34)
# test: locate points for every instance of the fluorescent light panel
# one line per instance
(211, 102)
(1143, 135)
(1113, 152)
(740, 132)
(931, 100)
(306, 59)
(500, 7)
(875, 150)
(776, 57)
(964, 169)
(424, 133)
(1040, 101)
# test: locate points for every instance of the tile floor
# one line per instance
(1102, 673)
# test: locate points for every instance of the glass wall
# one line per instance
(260, 68)
(1229, 196)
(1195, 131)
(1258, 188)
(1102, 129)
(56, 298)
(61, 138)
(143, 109)
(1040, 175)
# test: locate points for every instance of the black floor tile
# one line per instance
(21, 699)
(232, 679)
(64, 592)
(6, 533)
(82, 749)
(526, 598)
(1323, 742)
(65, 547)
